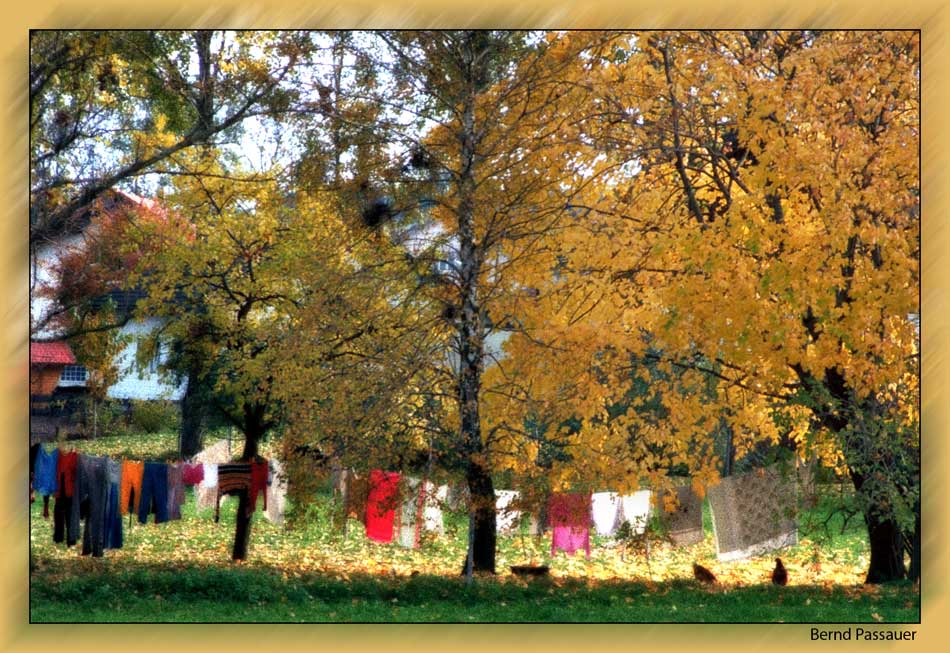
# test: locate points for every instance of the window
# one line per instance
(160, 357)
(73, 373)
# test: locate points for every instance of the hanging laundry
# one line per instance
(569, 517)
(607, 509)
(113, 523)
(207, 490)
(176, 490)
(34, 452)
(35, 449)
(436, 497)
(754, 513)
(44, 472)
(685, 524)
(259, 475)
(412, 511)
(44, 476)
(277, 493)
(233, 478)
(66, 472)
(210, 475)
(381, 505)
(192, 473)
(507, 517)
(130, 489)
(63, 527)
(90, 499)
(406, 515)
(635, 509)
(154, 493)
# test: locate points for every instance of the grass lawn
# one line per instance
(181, 572)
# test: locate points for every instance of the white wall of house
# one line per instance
(132, 383)
(42, 267)
(135, 383)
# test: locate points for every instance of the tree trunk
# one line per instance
(192, 415)
(729, 460)
(242, 529)
(483, 507)
(914, 573)
(471, 339)
(887, 551)
(886, 541)
(252, 437)
(254, 431)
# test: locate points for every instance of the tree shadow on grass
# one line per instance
(360, 596)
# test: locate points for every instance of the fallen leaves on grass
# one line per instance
(198, 540)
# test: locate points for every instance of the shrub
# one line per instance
(105, 419)
(154, 416)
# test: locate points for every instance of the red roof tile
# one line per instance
(53, 353)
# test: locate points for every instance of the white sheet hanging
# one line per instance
(636, 510)
(607, 509)
(436, 497)
(506, 518)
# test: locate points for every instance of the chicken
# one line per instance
(779, 574)
(703, 575)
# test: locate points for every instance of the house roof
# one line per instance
(51, 353)
(108, 201)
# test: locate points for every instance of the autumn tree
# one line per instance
(471, 119)
(94, 95)
(759, 228)
(115, 109)
(279, 305)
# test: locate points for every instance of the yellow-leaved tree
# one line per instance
(271, 300)
(756, 242)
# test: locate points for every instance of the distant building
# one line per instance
(68, 373)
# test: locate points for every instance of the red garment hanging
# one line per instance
(381, 505)
(66, 472)
(193, 473)
(258, 483)
(569, 516)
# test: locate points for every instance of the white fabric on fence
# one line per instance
(636, 510)
(276, 493)
(407, 511)
(436, 497)
(754, 513)
(606, 507)
(210, 457)
(210, 472)
(433, 500)
(506, 518)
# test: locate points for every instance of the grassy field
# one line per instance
(180, 572)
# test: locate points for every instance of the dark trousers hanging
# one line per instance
(62, 528)
(154, 493)
(93, 488)
(113, 519)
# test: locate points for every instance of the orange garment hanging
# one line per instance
(132, 471)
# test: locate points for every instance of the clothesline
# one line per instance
(99, 490)
(387, 503)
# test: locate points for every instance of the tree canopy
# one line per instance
(574, 258)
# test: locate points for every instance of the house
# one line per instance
(48, 362)
(54, 370)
